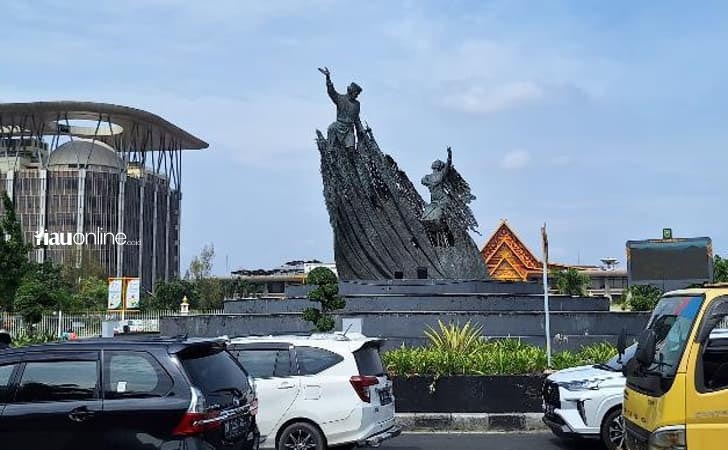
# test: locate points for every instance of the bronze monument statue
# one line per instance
(449, 198)
(347, 121)
(383, 229)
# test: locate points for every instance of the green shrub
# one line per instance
(497, 357)
(597, 353)
(33, 339)
(565, 359)
(455, 338)
(400, 361)
(643, 298)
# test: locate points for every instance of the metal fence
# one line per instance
(88, 324)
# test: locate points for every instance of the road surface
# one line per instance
(495, 441)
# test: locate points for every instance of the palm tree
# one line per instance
(571, 282)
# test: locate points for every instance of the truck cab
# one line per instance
(676, 395)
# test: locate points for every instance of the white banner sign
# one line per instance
(132, 294)
(115, 288)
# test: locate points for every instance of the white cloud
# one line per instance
(514, 160)
(478, 99)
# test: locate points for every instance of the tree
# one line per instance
(720, 270)
(13, 254)
(91, 294)
(239, 288)
(211, 294)
(201, 265)
(643, 297)
(209, 290)
(571, 282)
(326, 294)
(169, 294)
(42, 290)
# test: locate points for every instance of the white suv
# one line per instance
(319, 391)
(586, 401)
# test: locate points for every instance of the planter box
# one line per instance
(469, 394)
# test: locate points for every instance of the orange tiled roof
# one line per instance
(508, 258)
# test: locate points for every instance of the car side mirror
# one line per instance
(645, 353)
(622, 343)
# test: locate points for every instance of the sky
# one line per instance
(605, 120)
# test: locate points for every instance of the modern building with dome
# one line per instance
(82, 168)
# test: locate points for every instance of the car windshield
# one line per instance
(616, 363)
(671, 322)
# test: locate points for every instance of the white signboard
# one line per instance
(115, 288)
(132, 294)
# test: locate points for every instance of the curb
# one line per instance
(464, 422)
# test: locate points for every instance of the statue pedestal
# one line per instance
(432, 287)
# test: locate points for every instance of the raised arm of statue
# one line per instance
(448, 164)
(333, 95)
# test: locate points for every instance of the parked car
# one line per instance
(130, 326)
(586, 401)
(319, 390)
(126, 394)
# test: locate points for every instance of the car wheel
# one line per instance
(301, 436)
(612, 431)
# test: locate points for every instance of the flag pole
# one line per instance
(547, 318)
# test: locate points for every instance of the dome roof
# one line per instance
(86, 153)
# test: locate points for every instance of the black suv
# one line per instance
(170, 394)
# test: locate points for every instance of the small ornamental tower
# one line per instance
(184, 307)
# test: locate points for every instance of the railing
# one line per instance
(88, 324)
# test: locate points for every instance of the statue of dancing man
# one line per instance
(347, 114)
(448, 209)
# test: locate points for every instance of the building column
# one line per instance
(120, 225)
(42, 218)
(80, 210)
(142, 183)
(10, 183)
(154, 235)
(166, 237)
(178, 247)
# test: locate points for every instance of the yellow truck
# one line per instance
(676, 395)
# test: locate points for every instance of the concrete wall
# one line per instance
(430, 287)
(575, 328)
(459, 302)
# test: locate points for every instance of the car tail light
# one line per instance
(361, 386)
(197, 420)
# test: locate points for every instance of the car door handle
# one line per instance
(81, 414)
(286, 386)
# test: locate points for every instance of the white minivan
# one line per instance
(586, 401)
(319, 391)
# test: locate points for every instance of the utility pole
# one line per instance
(547, 318)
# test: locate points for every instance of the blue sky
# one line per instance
(607, 120)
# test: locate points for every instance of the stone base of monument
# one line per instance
(426, 287)
(444, 303)
(570, 329)
(436, 287)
